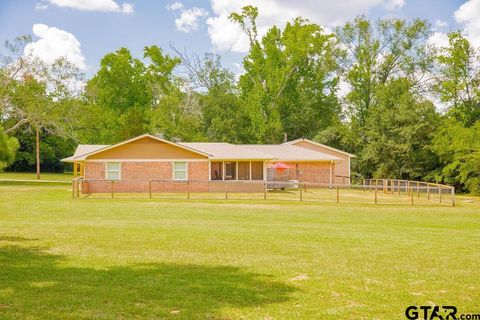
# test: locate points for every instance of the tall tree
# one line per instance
(289, 82)
(35, 96)
(456, 143)
(457, 81)
(399, 127)
(458, 148)
(8, 148)
(126, 92)
(390, 55)
(222, 115)
(378, 52)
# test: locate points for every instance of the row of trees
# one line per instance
(376, 89)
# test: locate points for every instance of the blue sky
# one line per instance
(88, 29)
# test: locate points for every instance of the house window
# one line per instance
(180, 170)
(113, 170)
(216, 170)
(243, 170)
(257, 170)
(230, 171)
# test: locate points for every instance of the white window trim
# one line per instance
(186, 171)
(119, 170)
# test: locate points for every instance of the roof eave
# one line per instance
(240, 159)
(319, 144)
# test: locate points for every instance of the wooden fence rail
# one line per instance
(410, 189)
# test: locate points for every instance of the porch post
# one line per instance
(331, 177)
(209, 170)
(74, 169)
(264, 171)
(250, 170)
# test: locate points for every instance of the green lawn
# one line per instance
(33, 176)
(230, 259)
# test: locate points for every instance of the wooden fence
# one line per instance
(375, 191)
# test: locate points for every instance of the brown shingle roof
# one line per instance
(227, 151)
(83, 149)
(284, 152)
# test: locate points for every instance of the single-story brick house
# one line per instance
(203, 166)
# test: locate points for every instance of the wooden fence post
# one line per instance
(150, 188)
(411, 196)
(265, 191)
(398, 186)
(226, 190)
(440, 194)
(453, 197)
(418, 189)
(428, 191)
(301, 194)
(112, 188)
(78, 188)
(376, 190)
(73, 188)
(338, 196)
(188, 189)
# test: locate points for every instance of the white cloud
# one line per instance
(226, 35)
(88, 5)
(343, 88)
(54, 43)
(394, 4)
(189, 18)
(468, 15)
(175, 6)
(127, 8)
(439, 25)
(438, 39)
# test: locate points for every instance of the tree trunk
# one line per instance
(37, 151)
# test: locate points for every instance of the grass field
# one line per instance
(33, 176)
(230, 259)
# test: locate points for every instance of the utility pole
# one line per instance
(37, 151)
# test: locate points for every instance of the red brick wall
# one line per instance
(198, 171)
(145, 171)
(342, 167)
(95, 170)
(315, 172)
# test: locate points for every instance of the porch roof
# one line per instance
(284, 152)
(228, 151)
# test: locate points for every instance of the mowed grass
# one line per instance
(33, 176)
(231, 259)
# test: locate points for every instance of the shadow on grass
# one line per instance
(35, 284)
